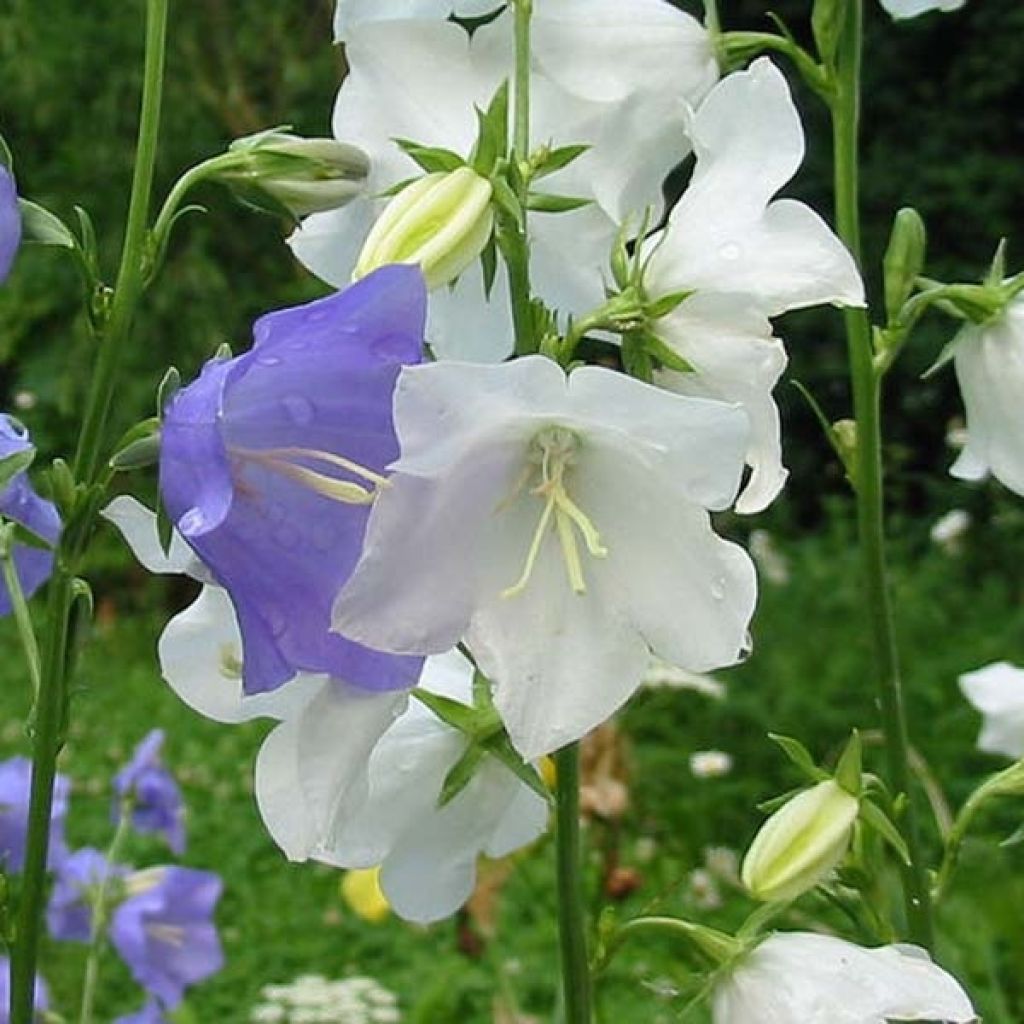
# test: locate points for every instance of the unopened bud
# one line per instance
(442, 222)
(800, 843)
(904, 259)
(285, 173)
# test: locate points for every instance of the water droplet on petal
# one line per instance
(192, 522)
(300, 409)
(730, 251)
(718, 589)
(268, 360)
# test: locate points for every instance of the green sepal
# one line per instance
(772, 805)
(40, 227)
(800, 756)
(827, 21)
(492, 140)
(138, 448)
(500, 747)
(545, 202)
(507, 202)
(663, 354)
(667, 303)
(399, 186)
(997, 268)
(636, 360)
(461, 773)
(1014, 839)
(6, 157)
(431, 158)
(81, 595)
(170, 385)
(223, 352)
(62, 486)
(21, 534)
(849, 769)
(554, 160)
(164, 528)
(13, 464)
(452, 712)
(875, 818)
(489, 263)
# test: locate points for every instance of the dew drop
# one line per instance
(718, 589)
(192, 522)
(730, 251)
(300, 409)
(268, 360)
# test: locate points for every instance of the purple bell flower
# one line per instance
(10, 222)
(69, 913)
(268, 466)
(151, 1013)
(15, 786)
(158, 806)
(164, 930)
(41, 1000)
(18, 501)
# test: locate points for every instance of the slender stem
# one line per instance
(22, 616)
(521, 96)
(51, 707)
(571, 929)
(100, 914)
(869, 481)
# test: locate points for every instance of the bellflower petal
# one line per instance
(997, 691)
(137, 525)
(165, 933)
(40, 998)
(69, 913)
(386, 811)
(350, 13)
(746, 257)
(151, 1013)
(902, 9)
(241, 466)
(19, 502)
(15, 788)
(819, 979)
(631, 472)
(157, 805)
(10, 222)
(989, 361)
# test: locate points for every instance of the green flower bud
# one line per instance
(800, 843)
(442, 222)
(904, 259)
(287, 174)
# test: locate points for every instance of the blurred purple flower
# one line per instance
(15, 786)
(18, 501)
(69, 914)
(157, 802)
(164, 930)
(10, 222)
(42, 997)
(261, 469)
(151, 1013)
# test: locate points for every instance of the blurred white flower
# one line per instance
(989, 361)
(710, 764)
(704, 889)
(671, 677)
(902, 9)
(312, 999)
(772, 563)
(817, 979)
(948, 531)
(723, 862)
(997, 691)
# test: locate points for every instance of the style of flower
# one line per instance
(151, 792)
(568, 518)
(20, 503)
(989, 362)
(10, 222)
(41, 997)
(269, 462)
(902, 9)
(819, 979)
(78, 876)
(745, 257)
(427, 853)
(15, 787)
(997, 691)
(164, 930)
(651, 59)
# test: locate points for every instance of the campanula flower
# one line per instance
(69, 912)
(997, 691)
(901, 9)
(15, 787)
(156, 803)
(41, 999)
(10, 222)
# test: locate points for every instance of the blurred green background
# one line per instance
(943, 131)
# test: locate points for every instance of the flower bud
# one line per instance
(441, 222)
(800, 843)
(904, 259)
(285, 173)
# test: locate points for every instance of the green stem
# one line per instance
(521, 96)
(571, 929)
(869, 481)
(100, 914)
(22, 616)
(51, 707)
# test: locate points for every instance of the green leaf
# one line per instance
(875, 818)
(543, 202)
(556, 159)
(799, 755)
(41, 227)
(431, 158)
(13, 464)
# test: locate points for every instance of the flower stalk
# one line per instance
(50, 711)
(868, 475)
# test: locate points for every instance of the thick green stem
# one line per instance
(51, 705)
(571, 921)
(869, 482)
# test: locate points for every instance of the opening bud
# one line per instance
(284, 173)
(800, 843)
(442, 222)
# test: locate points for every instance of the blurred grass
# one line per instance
(808, 677)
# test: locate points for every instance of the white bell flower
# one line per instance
(350, 13)
(746, 257)
(989, 362)
(997, 691)
(902, 9)
(560, 526)
(427, 853)
(819, 979)
(420, 79)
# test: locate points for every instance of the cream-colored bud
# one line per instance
(801, 843)
(441, 222)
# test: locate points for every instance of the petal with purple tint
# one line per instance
(15, 786)
(156, 803)
(10, 222)
(69, 913)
